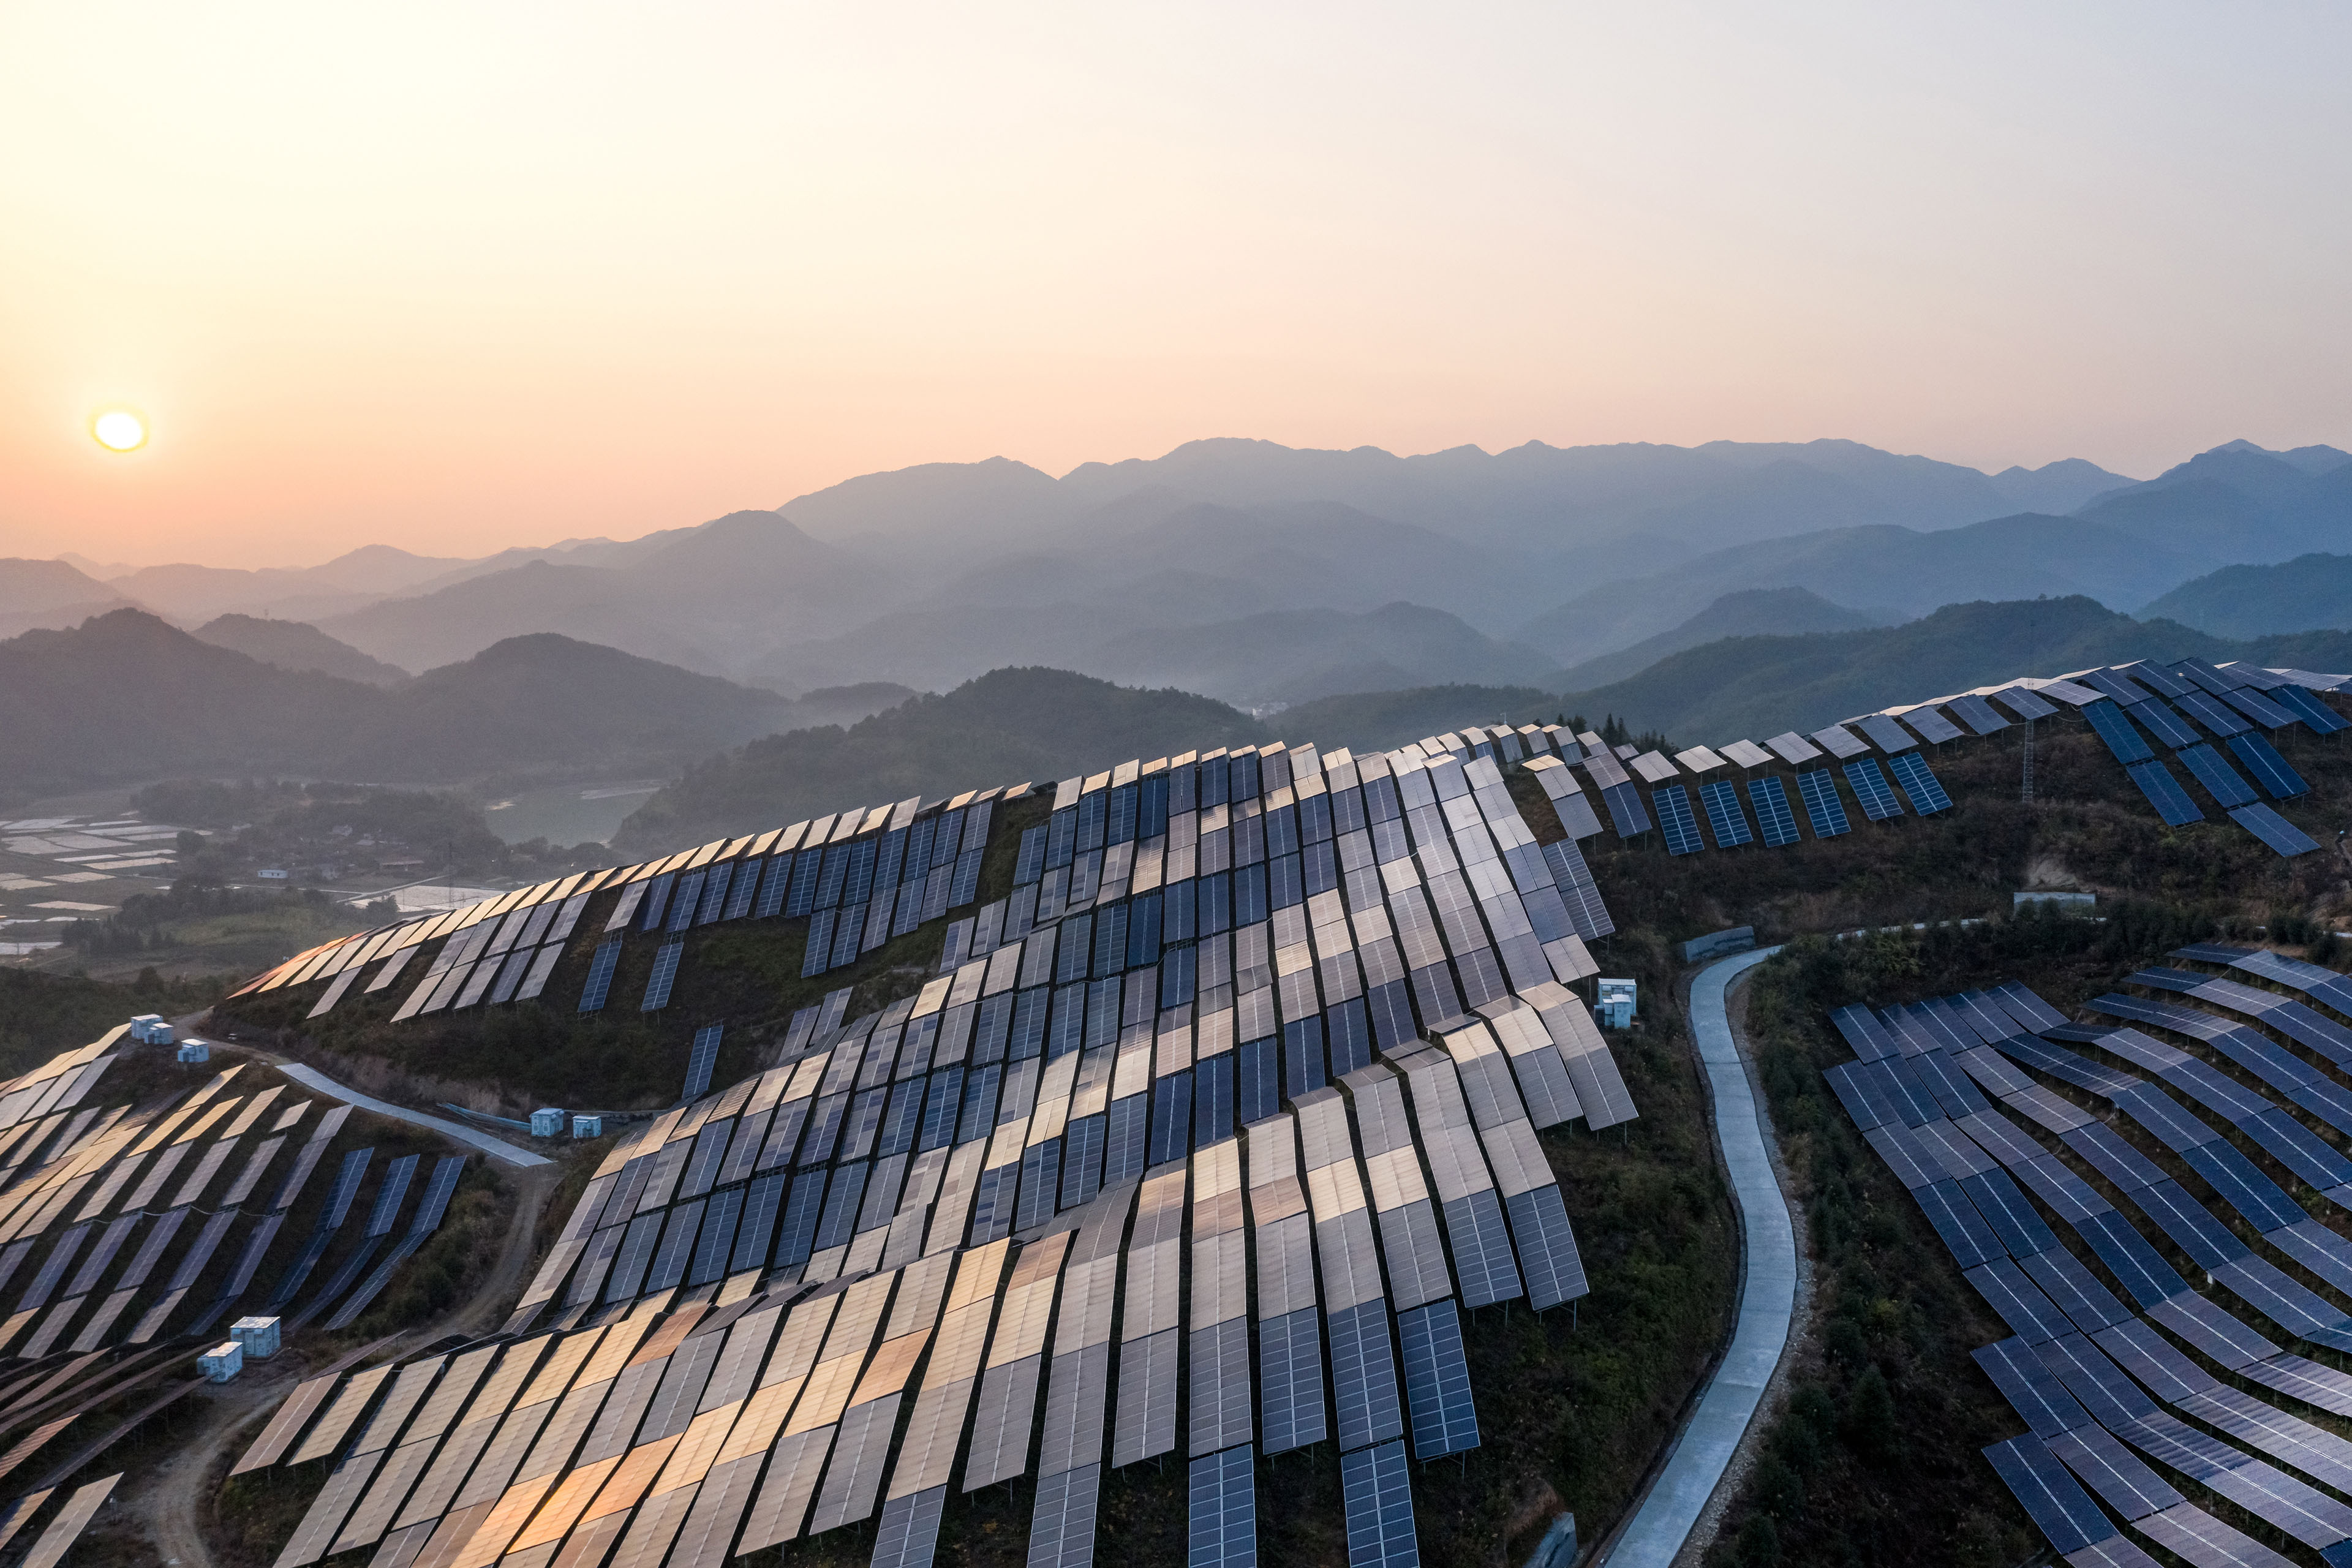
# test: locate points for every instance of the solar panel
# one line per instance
(2323, 719)
(1675, 819)
(2213, 713)
(1978, 714)
(1729, 822)
(2024, 703)
(2164, 792)
(1377, 1487)
(2270, 770)
(1437, 1380)
(1884, 733)
(2274, 830)
(1840, 742)
(1363, 1375)
(1290, 1381)
(2162, 723)
(2126, 742)
(2224, 782)
(1555, 1273)
(1869, 784)
(1221, 1529)
(1925, 790)
(1625, 809)
(1772, 814)
(1481, 1246)
(600, 976)
(1061, 1524)
(2051, 1498)
(1823, 806)
(664, 972)
(700, 1062)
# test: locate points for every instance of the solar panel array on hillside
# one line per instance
(1185, 1050)
(1938, 1092)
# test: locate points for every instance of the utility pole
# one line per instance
(2025, 790)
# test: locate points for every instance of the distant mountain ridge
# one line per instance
(2308, 594)
(1760, 686)
(929, 575)
(125, 697)
(296, 645)
(1009, 726)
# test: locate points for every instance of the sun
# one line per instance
(120, 430)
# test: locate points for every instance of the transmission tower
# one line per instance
(2025, 789)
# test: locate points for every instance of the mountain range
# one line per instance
(1263, 575)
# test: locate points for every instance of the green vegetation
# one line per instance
(1007, 726)
(42, 1014)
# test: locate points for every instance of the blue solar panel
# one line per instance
(685, 901)
(1676, 820)
(2213, 713)
(2270, 770)
(2274, 830)
(1029, 864)
(657, 902)
(819, 954)
(1724, 818)
(600, 974)
(1869, 784)
(664, 971)
(762, 1199)
(2051, 1498)
(1772, 814)
(1363, 1375)
(1222, 1531)
(1625, 803)
(747, 888)
(1925, 790)
(2225, 784)
(1823, 806)
(2164, 794)
(1290, 1381)
(966, 886)
(1437, 1380)
(772, 887)
(705, 1056)
(1377, 1486)
(2309, 709)
(2258, 708)
(1482, 1248)
(1212, 1098)
(2126, 742)
(2163, 723)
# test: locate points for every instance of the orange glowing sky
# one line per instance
(460, 276)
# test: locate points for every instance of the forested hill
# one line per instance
(1005, 727)
(1758, 686)
(125, 697)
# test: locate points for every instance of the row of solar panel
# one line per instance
(1998, 1228)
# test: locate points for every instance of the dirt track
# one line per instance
(171, 1501)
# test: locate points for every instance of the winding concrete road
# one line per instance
(1768, 1291)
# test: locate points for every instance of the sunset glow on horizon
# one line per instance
(456, 278)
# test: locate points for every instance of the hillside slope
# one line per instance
(2307, 593)
(126, 697)
(296, 645)
(1750, 612)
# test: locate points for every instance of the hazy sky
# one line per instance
(457, 277)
